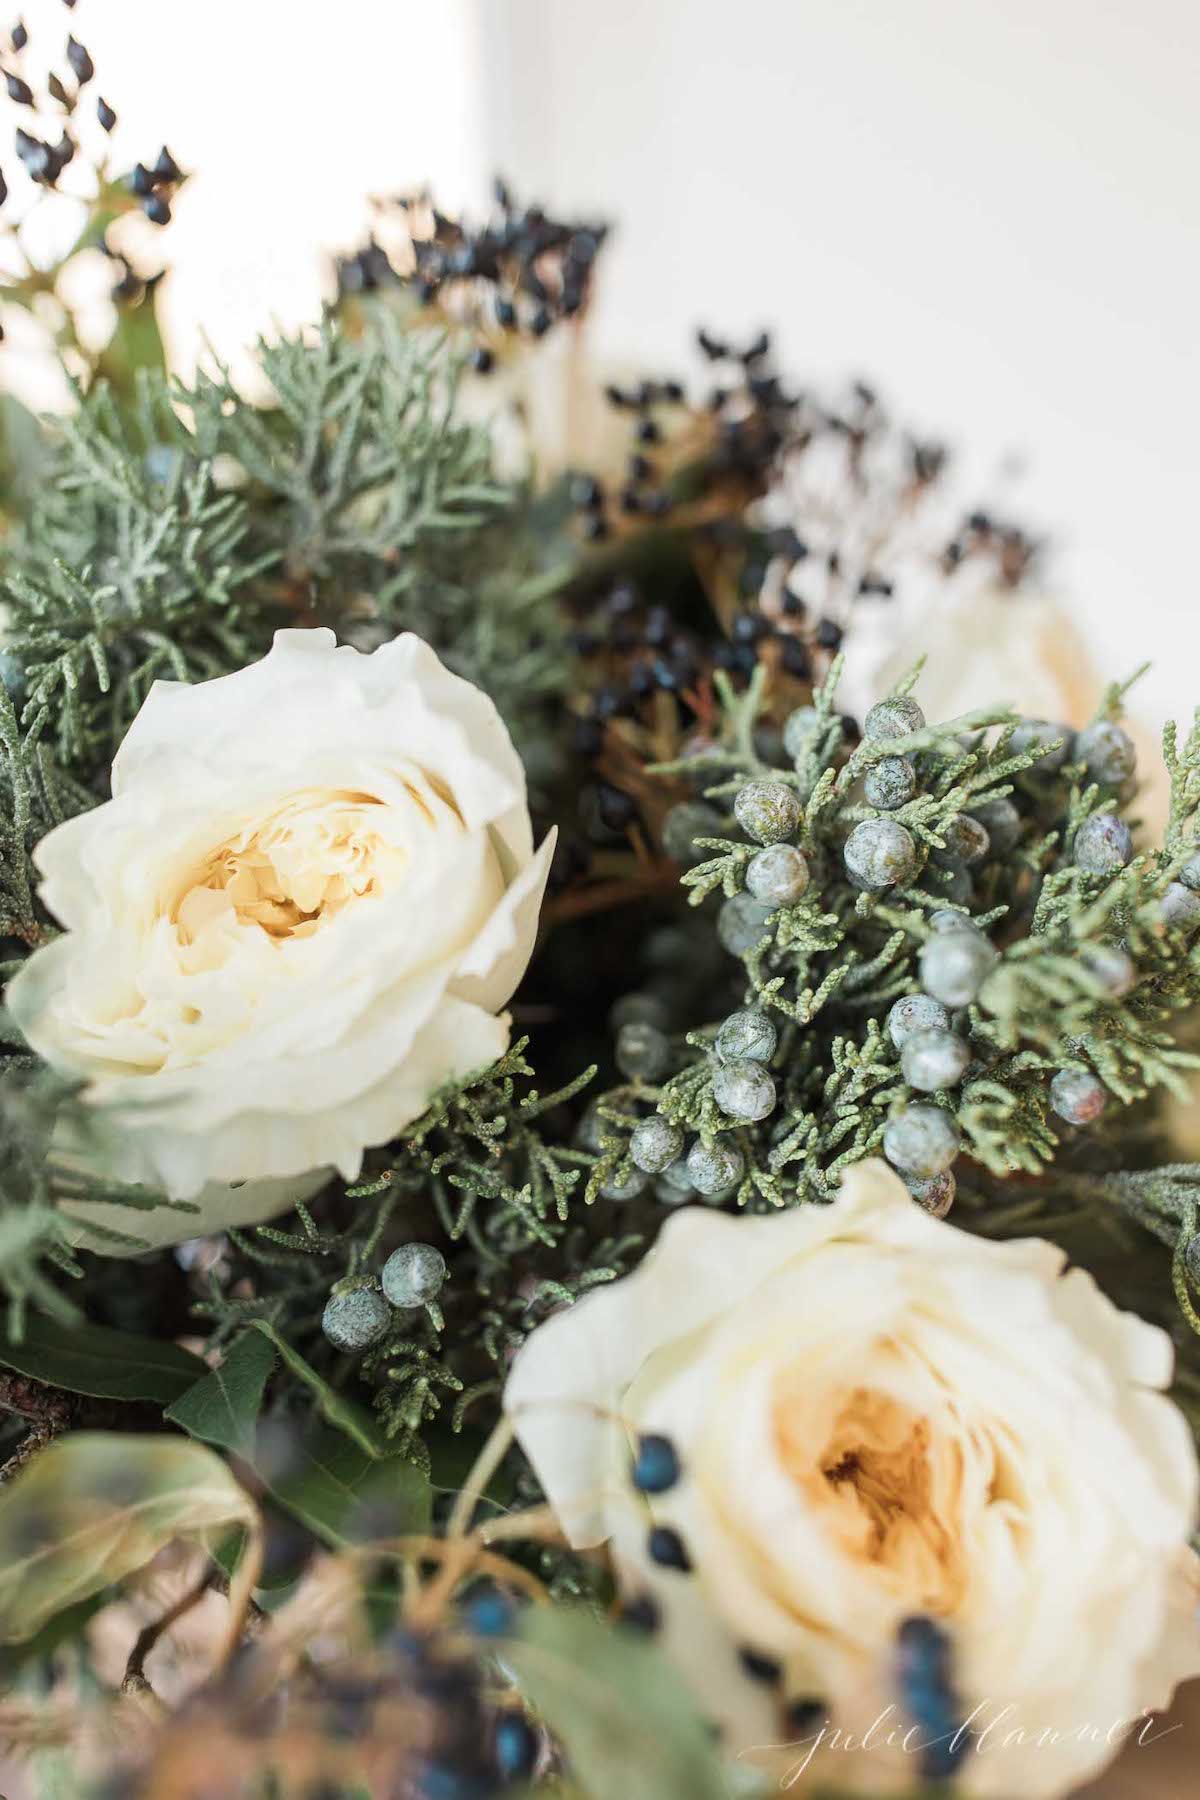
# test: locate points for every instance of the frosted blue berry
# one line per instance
(778, 875)
(638, 1009)
(967, 841)
(880, 854)
(890, 783)
(1107, 752)
(1190, 874)
(1077, 1096)
(932, 1060)
(1179, 906)
(935, 1193)
(656, 1468)
(744, 1090)
(642, 1050)
(948, 918)
(952, 881)
(913, 1014)
(1040, 734)
(767, 811)
(591, 1130)
(1002, 822)
(749, 1033)
(413, 1275)
(742, 924)
(954, 965)
(893, 718)
(690, 820)
(1110, 967)
(630, 1188)
(674, 1186)
(800, 730)
(715, 1167)
(655, 1143)
(355, 1318)
(1103, 844)
(922, 1140)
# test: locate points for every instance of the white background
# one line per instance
(989, 207)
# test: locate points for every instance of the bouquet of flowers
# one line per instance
(587, 1203)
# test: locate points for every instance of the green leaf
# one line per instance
(630, 1727)
(95, 1507)
(335, 1487)
(222, 1407)
(104, 1364)
(65, 1627)
(346, 1416)
(345, 1496)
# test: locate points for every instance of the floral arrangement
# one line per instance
(588, 1206)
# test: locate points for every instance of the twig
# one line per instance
(134, 1680)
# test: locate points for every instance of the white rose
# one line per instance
(312, 892)
(877, 1415)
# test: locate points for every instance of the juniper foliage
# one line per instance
(479, 1174)
(830, 966)
(170, 537)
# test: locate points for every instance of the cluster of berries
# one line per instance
(359, 1312)
(520, 273)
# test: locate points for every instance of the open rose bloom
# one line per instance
(878, 1416)
(302, 911)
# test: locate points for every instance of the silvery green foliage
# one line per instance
(170, 539)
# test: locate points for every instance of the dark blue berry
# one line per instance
(667, 1549)
(656, 1465)
(642, 1613)
(439, 1781)
(516, 1744)
(803, 1715)
(81, 63)
(490, 1613)
(759, 1667)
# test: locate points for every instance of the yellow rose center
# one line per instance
(887, 1485)
(293, 872)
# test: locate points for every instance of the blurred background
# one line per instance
(988, 209)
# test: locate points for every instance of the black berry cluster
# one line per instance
(516, 276)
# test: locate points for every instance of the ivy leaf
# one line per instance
(346, 1416)
(344, 1496)
(325, 1478)
(629, 1725)
(222, 1407)
(104, 1364)
(95, 1507)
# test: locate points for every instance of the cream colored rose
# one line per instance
(877, 1415)
(312, 892)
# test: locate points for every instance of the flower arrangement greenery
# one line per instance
(432, 892)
